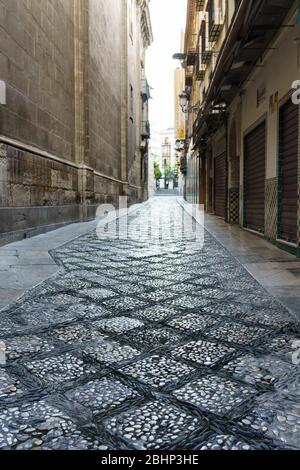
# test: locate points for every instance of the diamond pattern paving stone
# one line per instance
(264, 370)
(124, 303)
(214, 394)
(204, 352)
(158, 295)
(88, 311)
(228, 309)
(9, 385)
(59, 369)
(153, 426)
(18, 346)
(60, 299)
(101, 395)
(269, 317)
(95, 278)
(284, 346)
(193, 323)
(157, 371)
(71, 282)
(204, 281)
(275, 418)
(147, 338)
(43, 316)
(191, 302)
(129, 289)
(96, 294)
(195, 332)
(157, 313)
(236, 333)
(41, 426)
(74, 334)
(259, 300)
(226, 442)
(157, 283)
(109, 352)
(118, 324)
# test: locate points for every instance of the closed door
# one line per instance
(288, 172)
(255, 176)
(220, 185)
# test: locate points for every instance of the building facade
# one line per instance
(180, 117)
(73, 113)
(241, 60)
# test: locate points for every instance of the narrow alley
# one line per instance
(162, 344)
(149, 231)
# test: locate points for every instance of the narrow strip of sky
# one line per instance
(168, 20)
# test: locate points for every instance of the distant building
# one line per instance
(168, 156)
(242, 137)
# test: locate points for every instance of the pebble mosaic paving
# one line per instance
(149, 342)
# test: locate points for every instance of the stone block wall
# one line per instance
(37, 64)
(65, 131)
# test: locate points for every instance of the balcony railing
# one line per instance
(145, 90)
(206, 55)
(146, 131)
(200, 74)
(216, 21)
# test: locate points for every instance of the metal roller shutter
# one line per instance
(220, 185)
(288, 171)
(255, 175)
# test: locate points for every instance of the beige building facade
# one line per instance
(180, 117)
(73, 118)
(244, 125)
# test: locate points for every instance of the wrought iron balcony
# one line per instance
(146, 131)
(216, 21)
(206, 55)
(145, 90)
(200, 74)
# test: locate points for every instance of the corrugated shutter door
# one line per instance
(288, 155)
(220, 185)
(255, 175)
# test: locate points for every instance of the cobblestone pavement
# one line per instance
(153, 343)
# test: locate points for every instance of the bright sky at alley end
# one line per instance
(168, 20)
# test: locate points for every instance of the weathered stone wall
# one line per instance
(37, 63)
(67, 139)
(104, 71)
